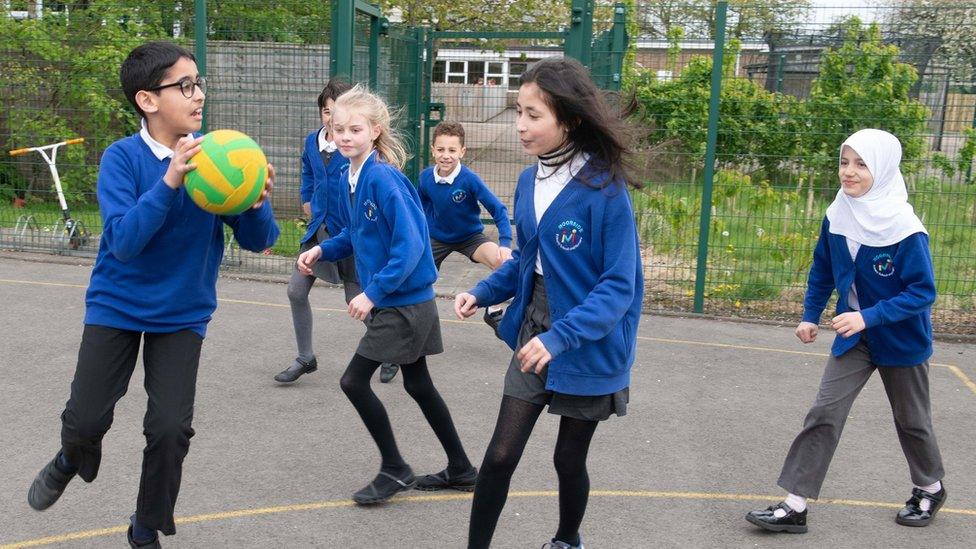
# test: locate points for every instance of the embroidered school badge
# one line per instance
(458, 196)
(884, 265)
(569, 235)
(369, 210)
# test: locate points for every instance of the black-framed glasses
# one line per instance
(186, 86)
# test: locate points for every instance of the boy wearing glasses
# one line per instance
(154, 284)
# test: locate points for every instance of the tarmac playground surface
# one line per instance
(714, 407)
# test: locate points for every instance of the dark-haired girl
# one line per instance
(577, 288)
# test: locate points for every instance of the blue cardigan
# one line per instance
(158, 257)
(593, 277)
(322, 187)
(452, 211)
(895, 290)
(388, 232)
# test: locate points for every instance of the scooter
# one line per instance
(65, 230)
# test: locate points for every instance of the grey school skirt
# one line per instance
(337, 272)
(401, 335)
(531, 387)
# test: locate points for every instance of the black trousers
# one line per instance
(105, 363)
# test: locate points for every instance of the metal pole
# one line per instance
(200, 46)
(580, 38)
(375, 25)
(618, 46)
(709, 175)
(341, 44)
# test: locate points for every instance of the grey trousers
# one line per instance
(908, 393)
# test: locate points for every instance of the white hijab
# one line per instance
(882, 216)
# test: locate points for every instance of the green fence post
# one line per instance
(709, 175)
(200, 46)
(378, 26)
(619, 46)
(341, 43)
(430, 57)
(779, 72)
(578, 41)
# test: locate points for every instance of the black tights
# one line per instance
(417, 382)
(515, 422)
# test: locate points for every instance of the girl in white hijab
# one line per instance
(873, 250)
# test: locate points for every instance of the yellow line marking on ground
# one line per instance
(954, 369)
(335, 504)
(36, 283)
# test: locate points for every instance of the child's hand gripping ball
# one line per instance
(230, 175)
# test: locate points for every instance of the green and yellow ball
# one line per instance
(230, 173)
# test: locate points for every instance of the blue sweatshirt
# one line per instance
(388, 232)
(593, 279)
(322, 187)
(157, 263)
(895, 290)
(452, 210)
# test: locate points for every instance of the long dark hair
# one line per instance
(594, 126)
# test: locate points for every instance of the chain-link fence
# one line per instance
(793, 81)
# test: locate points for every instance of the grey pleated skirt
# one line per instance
(401, 335)
(531, 387)
(337, 272)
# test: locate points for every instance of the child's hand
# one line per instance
(268, 185)
(465, 305)
(534, 356)
(307, 209)
(180, 164)
(847, 324)
(504, 254)
(360, 306)
(807, 331)
(307, 259)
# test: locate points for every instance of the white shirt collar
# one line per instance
(354, 177)
(324, 144)
(564, 173)
(449, 178)
(162, 152)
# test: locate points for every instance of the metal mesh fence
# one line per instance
(793, 87)
(795, 81)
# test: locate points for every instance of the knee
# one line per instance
(418, 390)
(169, 432)
(568, 464)
(351, 386)
(297, 293)
(498, 463)
(87, 428)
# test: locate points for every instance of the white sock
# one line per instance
(793, 501)
(925, 504)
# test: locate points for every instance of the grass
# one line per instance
(761, 242)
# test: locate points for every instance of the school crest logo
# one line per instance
(569, 235)
(884, 265)
(459, 195)
(369, 210)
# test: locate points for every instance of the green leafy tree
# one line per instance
(862, 84)
(938, 31)
(756, 128)
(481, 15)
(747, 19)
(59, 76)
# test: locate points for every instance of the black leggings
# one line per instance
(515, 422)
(417, 382)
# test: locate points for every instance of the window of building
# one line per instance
(440, 71)
(515, 69)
